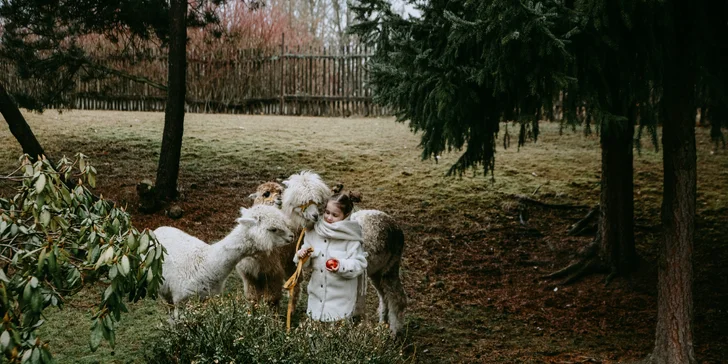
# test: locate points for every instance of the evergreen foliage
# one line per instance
(43, 39)
(616, 63)
(56, 240)
(463, 67)
(713, 74)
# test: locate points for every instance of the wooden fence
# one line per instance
(315, 81)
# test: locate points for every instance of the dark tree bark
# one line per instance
(613, 249)
(616, 223)
(674, 333)
(18, 126)
(169, 157)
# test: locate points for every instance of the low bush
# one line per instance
(227, 329)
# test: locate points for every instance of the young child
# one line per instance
(337, 259)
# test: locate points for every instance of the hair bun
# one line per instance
(337, 188)
(354, 196)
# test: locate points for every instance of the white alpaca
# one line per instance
(194, 268)
(263, 276)
(383, 241)
(305, 192)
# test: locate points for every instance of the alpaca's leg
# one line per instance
(361, 299)
(249, 287)
(397, 300)
(395, 297)
(379, 286)
(173, 315)
(272, 288)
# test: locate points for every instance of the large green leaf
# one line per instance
(40, 183)
(97, 333)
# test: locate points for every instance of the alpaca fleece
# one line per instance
(194, 268)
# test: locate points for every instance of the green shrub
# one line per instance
(229, 330)
(56, 240)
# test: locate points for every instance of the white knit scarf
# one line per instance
(343, 230)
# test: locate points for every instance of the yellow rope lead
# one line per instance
(291, 282)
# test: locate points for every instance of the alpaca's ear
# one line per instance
(246, 221)
(285, 183)
(253, 196)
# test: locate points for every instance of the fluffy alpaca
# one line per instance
(305, 192)
(263, 276)
(194, 268)
(268, 193)
(383, 241)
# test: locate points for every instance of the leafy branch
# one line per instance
(56, 240)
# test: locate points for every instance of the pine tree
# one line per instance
(174, 115)
(712, 77)
(464, 66)
(19, 127)
(692, 40)
(614, 57)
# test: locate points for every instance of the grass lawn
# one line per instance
(472, 272)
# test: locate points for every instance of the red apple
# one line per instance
(332, 264)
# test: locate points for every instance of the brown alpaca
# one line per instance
(383, 241)
(268, 193)
(263, 275)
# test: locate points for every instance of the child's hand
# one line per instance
(303, 253)
(332, 265)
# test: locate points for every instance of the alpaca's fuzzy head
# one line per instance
(305, 193)
(267, 227)
(269, 193)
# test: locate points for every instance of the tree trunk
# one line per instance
(674, 332)
(169, 157)
(616, 223)
(18, 126)
(613, 249)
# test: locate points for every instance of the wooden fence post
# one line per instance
(282, 60)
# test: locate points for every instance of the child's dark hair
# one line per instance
(346, 201)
